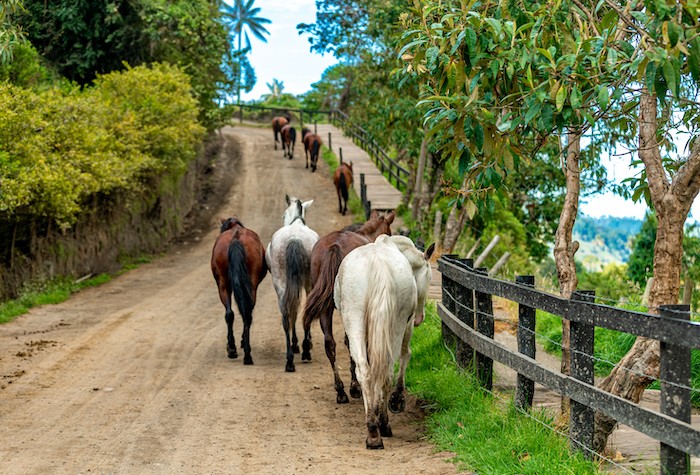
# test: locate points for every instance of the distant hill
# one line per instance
(604, 240)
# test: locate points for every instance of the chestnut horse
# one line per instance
(312, 145)
(289, 138)
(326, 257)
(238, 264)
(342, 178)
(277, 124)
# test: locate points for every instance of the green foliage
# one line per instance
(11, 35)
(59, 147)
(27, 69)
(81, 39)
(486, 435)
(43, 293)
(608, 234)
(641, 263)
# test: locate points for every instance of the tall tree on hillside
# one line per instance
(241, 17)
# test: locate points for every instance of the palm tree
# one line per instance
(242, 15)
(276, 89)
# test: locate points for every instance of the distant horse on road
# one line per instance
(289, 259)
(312, 147)
(238, 264)
(380, 292)
(342, 178)
(289, 138)
(277, 124)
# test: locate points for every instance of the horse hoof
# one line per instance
(397, 403)
(247, 360)
(306, 356)
(342, 398)
(375, 443)
(295, 349)
(290, 367)
(386, 431)
(355, 392)
(232, 353)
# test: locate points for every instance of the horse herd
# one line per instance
(378, 282)
(342, 177)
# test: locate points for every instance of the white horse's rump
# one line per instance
(380, 291)
(289, 258)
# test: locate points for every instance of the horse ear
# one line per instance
(429, 252)
(223, 220)
(289, 202)
(389, 218)
(374, 214)
(306, 204)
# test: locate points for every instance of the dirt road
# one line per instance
(132, 376)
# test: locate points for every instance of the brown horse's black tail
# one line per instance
(320, 300)
(343, 186)
(241, 285)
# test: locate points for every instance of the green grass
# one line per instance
(354, 202)
(43, 293)
(487, 435)
(609, 346)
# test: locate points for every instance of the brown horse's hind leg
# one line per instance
(245, 340)
(306, 345)
(327, 327)
(225, 297)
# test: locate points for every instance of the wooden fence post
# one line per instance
(329, 142)
(484, 325)
(301, 117)
(464, 354)
(340, 151)
(525, 389)
(675, 400)
(582, 417)
(315, 130)
(448, 296)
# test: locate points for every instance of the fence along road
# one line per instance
(380, 193)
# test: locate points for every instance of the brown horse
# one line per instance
(289, 138)
(277, 124)
(342, 178)
(238, 265)
(326, 257)
(312, 145)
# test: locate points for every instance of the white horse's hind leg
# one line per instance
(397, 402)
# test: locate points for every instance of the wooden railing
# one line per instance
(468, 325)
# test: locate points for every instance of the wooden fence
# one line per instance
(468, 324)
(360, 136)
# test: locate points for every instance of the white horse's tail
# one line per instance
(380, 319)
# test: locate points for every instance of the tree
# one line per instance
(10, 33)
(241, 16)
(276, 88)
(641, 261)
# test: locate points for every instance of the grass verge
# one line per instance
(487, 435)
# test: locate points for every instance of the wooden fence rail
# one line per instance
(468, 324)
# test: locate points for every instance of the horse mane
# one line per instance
(231, 222)
(370, 226)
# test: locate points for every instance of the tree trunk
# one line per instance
(454, 225)
(688, 291)
(564, 248)
(418, 187)
(408, 193)
(672, 201)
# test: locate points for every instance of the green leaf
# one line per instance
(670, 76)
(694, 58)
(662, 9)
(471, 41)
(561, 97)
(470, 209)
(479, 136)
(673, 33)
(495, 26)
(432, 55)
(464, 161)
(650, 76)
(575, 97)
(409, 46)
(603, 97)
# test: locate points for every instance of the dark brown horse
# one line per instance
(238, 265)
(312, 146)
(277, 124)
(342, 178)
(326, 257)
(289, 138)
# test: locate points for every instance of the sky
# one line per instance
(286, 57)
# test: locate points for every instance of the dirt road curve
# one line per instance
(132, 376)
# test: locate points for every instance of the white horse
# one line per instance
(289, 258)
(380, 292)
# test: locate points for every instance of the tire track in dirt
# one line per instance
(138, 380)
